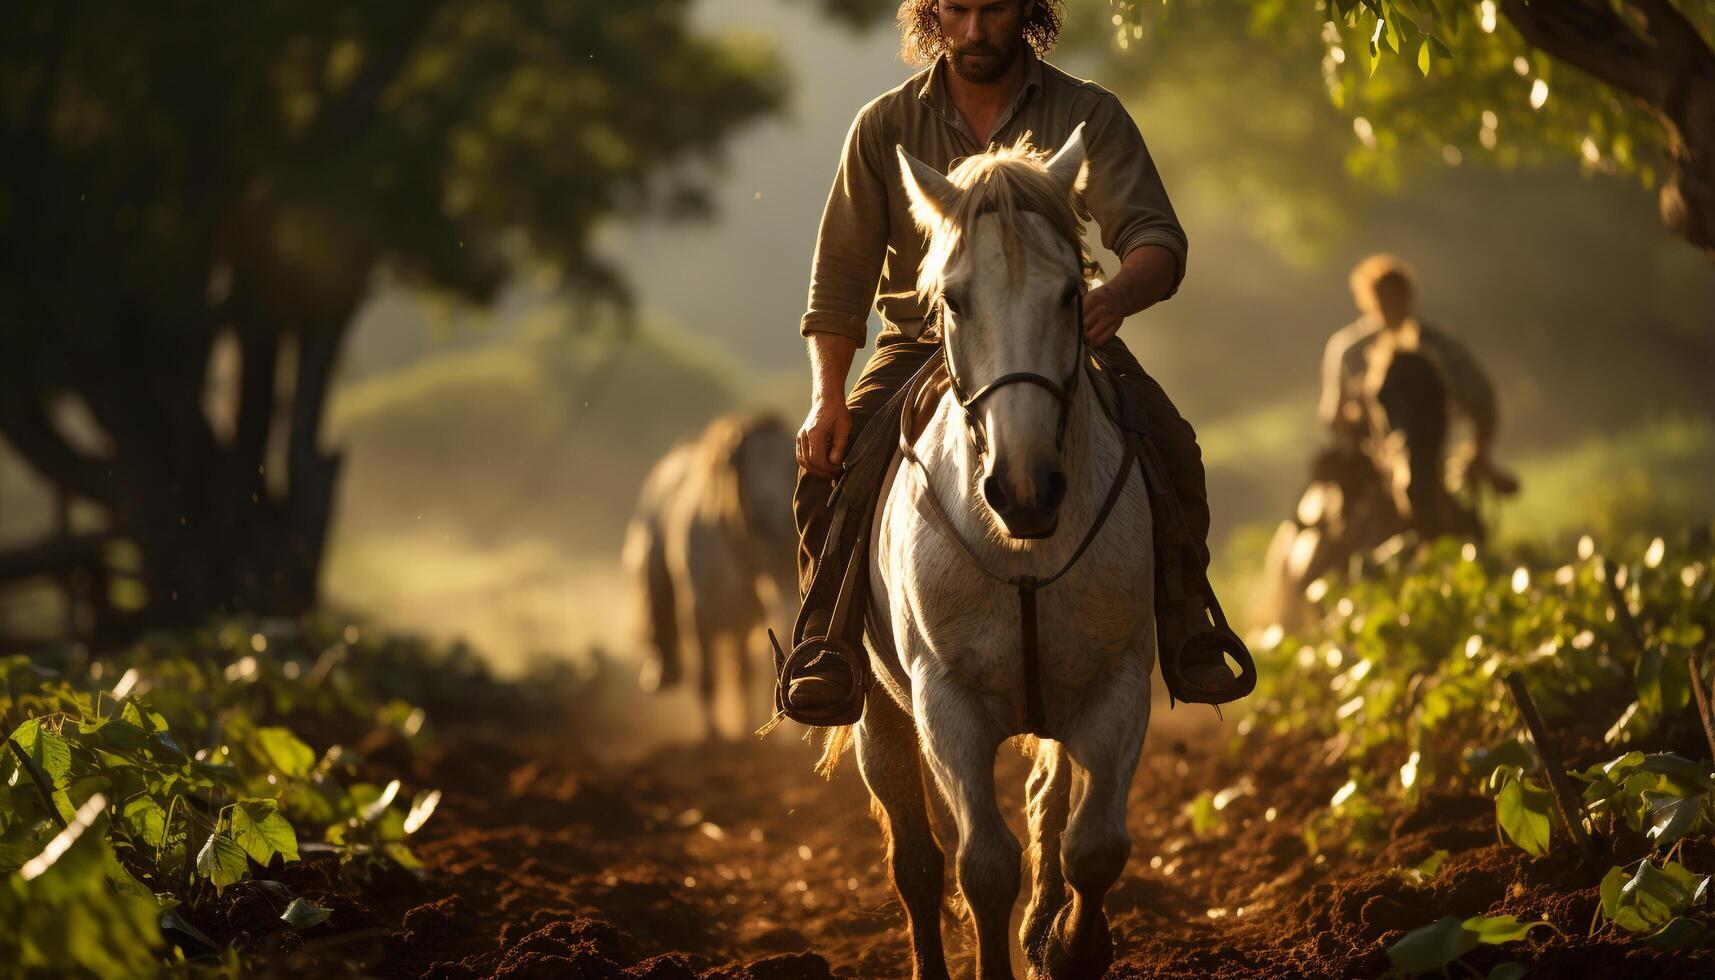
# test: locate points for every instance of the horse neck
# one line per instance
(1092, 452)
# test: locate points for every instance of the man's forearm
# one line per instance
(830, 361)
(1145, 278)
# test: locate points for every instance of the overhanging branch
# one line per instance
(1595, 40)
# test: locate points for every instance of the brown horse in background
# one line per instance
(711, 549)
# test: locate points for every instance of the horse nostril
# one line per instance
(1055, 490)
(994, 491)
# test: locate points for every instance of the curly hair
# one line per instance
(921, 40)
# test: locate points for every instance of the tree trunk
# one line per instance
(1666, 65)
(213, 539)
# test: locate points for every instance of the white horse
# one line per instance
(711, 550)
(1008, 484)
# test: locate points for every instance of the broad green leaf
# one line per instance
(1431, 947)
(145, 820)
(1615, 906)
(1427, 868)
(130, 713)
(259, 828)
(1615, 768)
(121, 879)
(164, 744)
(122, 736)
(1672, 817)
(47, 751)
(1693, 884)
(1686, 773)
(302, 914)
(285, 751)
(1522, 813)
(222, 861)
(1654, 895)
(1423, 59)
(1510, 970)
(1497, 929)
(1679, 933)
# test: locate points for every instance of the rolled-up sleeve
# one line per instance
(852, 242)
(1124, 193)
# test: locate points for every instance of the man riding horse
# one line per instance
(985, 83)
(1386, 295)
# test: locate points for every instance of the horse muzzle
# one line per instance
(1031, 511)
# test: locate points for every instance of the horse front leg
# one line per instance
(1048, 801)
(893, 771)
(1104, 743)
(961, 738)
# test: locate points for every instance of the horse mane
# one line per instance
(1006, 180)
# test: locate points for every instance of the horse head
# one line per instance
(1005, 265)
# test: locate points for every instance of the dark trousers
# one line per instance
(897, 359)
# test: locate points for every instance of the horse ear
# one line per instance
(1070, 166)
(930, 192)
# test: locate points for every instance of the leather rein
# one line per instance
(1035, 717)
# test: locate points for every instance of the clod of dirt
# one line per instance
(786, 966)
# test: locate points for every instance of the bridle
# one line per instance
(1061, 390)
(1035, 714)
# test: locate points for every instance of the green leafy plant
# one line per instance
(1653, 901)
(1401, 681)
(132, 807)
(1442, 943)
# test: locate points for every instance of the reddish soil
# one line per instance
(735, 862)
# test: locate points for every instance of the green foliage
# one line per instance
(70, 919)
(1427, 869)
(1428, 81)
(302, 914)
(1650, 899)
(1660, 795)
(244, 176)
(1522, 810)
(125, 810)
(1403, 670)
(1412, 657)
(1442, 943)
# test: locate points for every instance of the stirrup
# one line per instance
(807, 650)
(1209, 641)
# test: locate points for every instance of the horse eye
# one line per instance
(951, 303)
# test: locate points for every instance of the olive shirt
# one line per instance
(868, 236)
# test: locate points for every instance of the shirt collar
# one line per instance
(933, 92)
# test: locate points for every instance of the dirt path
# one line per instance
(734, 861)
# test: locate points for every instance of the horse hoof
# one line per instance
(1063, 958)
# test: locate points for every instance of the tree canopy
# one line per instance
(245, 171)
(1623, 86)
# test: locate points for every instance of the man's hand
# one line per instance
(1145, 278)
(822, 440)
(1103, 315)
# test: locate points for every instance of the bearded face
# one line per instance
(984, 37)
